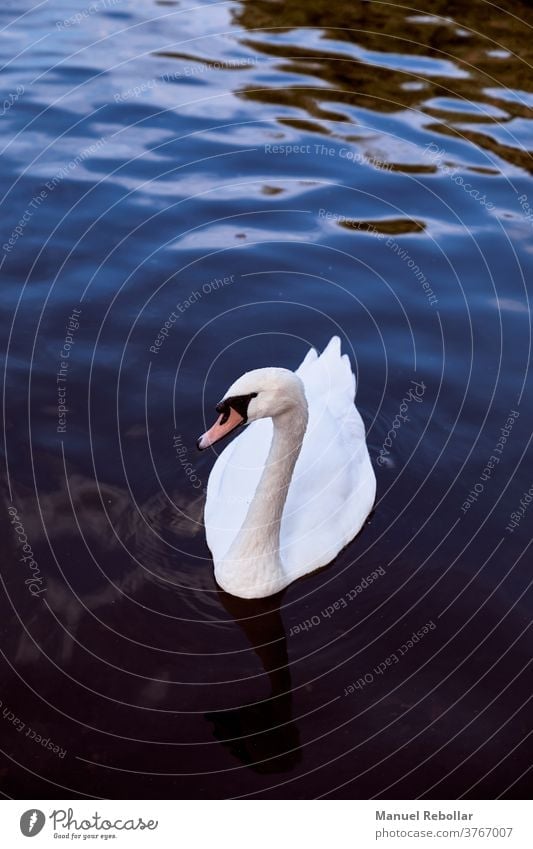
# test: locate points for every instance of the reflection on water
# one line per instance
(216, 188)
(262, 735)
(377, 56)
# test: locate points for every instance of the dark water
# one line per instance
(272, 173)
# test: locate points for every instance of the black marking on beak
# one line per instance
(239, 403)
(223, 407)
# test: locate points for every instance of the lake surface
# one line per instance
(271, 173)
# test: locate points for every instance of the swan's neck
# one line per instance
(254, 559)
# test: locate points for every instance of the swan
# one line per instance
(297, 484)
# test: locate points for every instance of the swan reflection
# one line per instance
(262, 735)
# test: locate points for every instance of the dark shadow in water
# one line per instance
(262, 735)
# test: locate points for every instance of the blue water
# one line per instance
(270, 174)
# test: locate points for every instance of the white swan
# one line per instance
(297, 484)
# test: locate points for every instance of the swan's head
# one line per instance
(258, 394)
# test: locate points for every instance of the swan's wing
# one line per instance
(333, 486)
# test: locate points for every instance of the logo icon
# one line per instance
(32, 822)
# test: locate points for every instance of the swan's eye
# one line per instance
(224, 408)
(239, 403)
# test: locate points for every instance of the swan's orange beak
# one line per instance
(225, 423)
